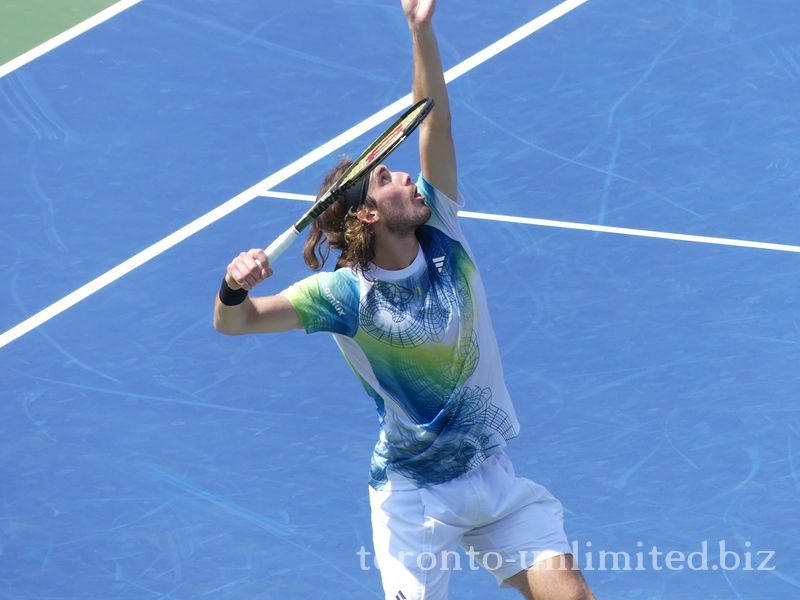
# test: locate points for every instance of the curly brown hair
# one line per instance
(340, 230)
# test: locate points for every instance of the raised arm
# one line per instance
(436, 149)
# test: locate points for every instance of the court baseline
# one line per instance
(64, 37)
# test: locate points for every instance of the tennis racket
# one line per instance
(361, 167)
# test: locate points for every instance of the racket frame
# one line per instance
(374, 155)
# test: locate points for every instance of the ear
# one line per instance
(368, 215)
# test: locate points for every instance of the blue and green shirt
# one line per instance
(421, 342)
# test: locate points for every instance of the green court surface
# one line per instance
(24, 24)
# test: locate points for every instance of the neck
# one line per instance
(395, 252)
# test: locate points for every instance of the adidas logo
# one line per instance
(439, 263)
(400, 596)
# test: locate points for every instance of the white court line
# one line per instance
(636, 232)
(66, 36)
(589, 227)
(276, 178)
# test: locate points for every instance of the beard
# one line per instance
(407, 224)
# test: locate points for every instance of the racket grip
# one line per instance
(277, 247)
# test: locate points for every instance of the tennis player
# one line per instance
(408, 310)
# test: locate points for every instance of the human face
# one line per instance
(399, 205)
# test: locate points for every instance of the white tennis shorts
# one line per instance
(504, 524)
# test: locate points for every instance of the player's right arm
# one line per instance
(259, 314)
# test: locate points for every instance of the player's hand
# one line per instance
(419, 12)
(248, 270)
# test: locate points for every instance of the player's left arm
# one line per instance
(436, 149)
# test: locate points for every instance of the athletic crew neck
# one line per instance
(376, 272)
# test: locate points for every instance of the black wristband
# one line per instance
(231, 297)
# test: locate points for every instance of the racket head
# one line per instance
(394, 135)
(374, 155)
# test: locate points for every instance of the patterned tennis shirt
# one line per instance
(421, 342)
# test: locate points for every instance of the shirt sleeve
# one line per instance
(444, 211)
(327, 302)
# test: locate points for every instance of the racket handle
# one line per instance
(277, 247)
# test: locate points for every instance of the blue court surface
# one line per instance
(144, 455)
